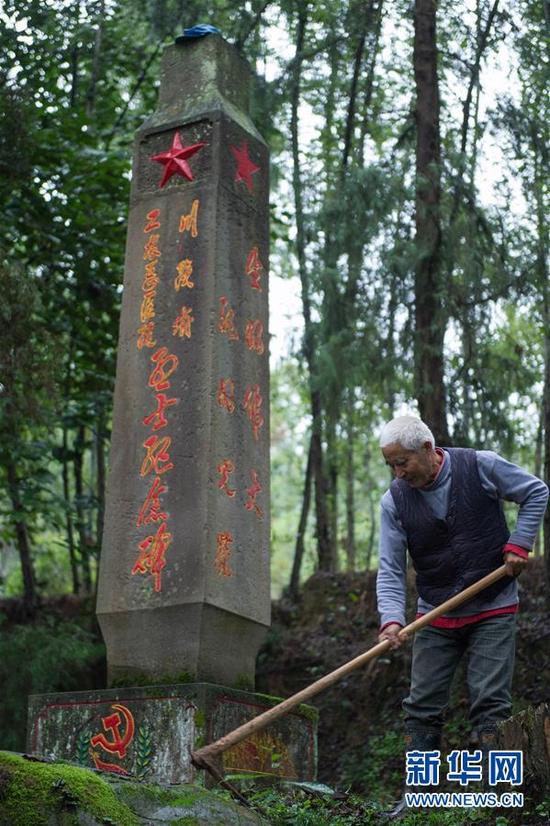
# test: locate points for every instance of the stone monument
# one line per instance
(183, 594)
(184, 574)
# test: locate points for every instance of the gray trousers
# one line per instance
(489, 646)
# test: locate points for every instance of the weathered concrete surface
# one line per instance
(215, 77)
(149, 732)
(54, 794)
(184, 573)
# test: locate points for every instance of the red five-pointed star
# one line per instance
(245, 167)
(174, 161)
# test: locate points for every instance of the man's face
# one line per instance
(416, 467)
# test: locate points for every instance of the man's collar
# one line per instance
(440, 452)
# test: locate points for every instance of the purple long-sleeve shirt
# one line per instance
(500, 479)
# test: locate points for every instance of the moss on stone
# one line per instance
(34, 793)
(309, 712)
(184, 805)
(161, 795)
(244, 683)
(137, 680)
(200, 718)
(33, 790)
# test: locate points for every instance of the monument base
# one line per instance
(149, 732)
(202, 639)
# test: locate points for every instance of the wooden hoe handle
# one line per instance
(206, 757)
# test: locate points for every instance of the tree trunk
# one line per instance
(529, 733)
(80, 511)
(91, 94)
(388, 377)
(537, 470)
(22, 539)
(68, 517)
(482, 38)
(331, 305)
(369, 86)
(370, 542)
(357, 63)
(540, 177)
(317, 462)
(333, 473)
(429, 313)
(339, 307)
(251, 24)
(371, 489)
(101, 476)
(294, 584)
(462, 192)
(543, 274)
(351, 551)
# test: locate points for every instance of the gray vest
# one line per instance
(451, 553)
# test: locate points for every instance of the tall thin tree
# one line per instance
(429, 310)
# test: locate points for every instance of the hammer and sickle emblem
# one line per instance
(112, 723)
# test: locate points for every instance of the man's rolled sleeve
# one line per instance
(391, 582)
(509, 548)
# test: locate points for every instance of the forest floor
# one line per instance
(360, 722)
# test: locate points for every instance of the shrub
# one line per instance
(39, 658)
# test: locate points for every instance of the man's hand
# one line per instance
(514, 564)
(391, 633)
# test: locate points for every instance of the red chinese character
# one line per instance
(147, 311)
(151, 280)
(166, 363)
(226, 321)
(151, 509)
(224, 469)
(188, 223)
(182, 325)
(254, 268)
(223, 553)
(151, 555)
(253, 336)
(226, 394)
(152, 220)
(157, 458)
(252, 403)
(254, 489)
(183, 278)
(151, 250)
(145, 335)
(157, 416)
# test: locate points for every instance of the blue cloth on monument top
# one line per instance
(200, 30)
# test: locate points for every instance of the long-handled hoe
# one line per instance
(209, 757)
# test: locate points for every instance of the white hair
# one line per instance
(408, 431)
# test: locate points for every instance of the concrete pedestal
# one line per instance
(149, 732)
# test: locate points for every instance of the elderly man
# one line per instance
(445, 507)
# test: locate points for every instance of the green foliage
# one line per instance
(36, 790)
(40, 658)
(299, 808)
(289, 807)
(377, 768)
